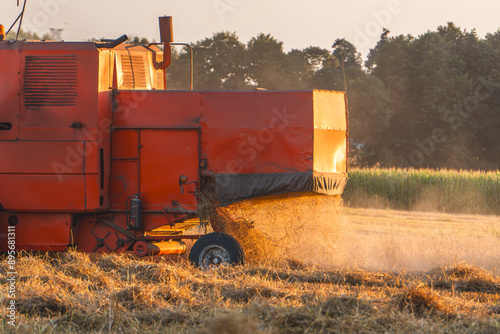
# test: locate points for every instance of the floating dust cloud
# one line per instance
(408, 240)
(315, 229)
(296, 227)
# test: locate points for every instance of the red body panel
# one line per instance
(32, 158)
(54, 163)
(165, 156)
(38, 232)
(157, 109)
(123, 181)
(257, 132)
(52, 122)
(43, 192)
(9, 89)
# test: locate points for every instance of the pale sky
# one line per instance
(298, 23)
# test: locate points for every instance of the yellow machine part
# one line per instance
(177, 229)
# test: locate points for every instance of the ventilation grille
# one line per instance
(134, 72)
(50, 81)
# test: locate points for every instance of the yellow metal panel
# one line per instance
(329, 151)
(330, 135)
(177, 229)
(329, 110)
(106, 64)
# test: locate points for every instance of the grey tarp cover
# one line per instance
(237, 187)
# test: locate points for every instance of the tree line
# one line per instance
(427, 101)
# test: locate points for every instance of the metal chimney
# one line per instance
(166, 30)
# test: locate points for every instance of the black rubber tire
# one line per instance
(217, 243)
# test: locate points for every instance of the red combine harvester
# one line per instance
(95, 153)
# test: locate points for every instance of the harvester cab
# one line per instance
(98, 154)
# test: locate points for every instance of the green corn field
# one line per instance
(425, 190)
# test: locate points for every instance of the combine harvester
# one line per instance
(96, 152)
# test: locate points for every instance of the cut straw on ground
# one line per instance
(71, 292)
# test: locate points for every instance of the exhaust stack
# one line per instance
(166, 30)
(166, 37)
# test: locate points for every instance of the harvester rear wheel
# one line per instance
(216, 249)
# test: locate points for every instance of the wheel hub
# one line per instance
(214, 255)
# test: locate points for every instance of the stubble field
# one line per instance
(382, 271)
